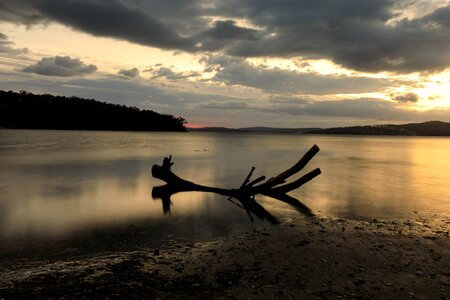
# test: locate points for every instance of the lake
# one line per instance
(81, 192)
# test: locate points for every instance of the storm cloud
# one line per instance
(62, 66)
(356, 34)
(363, 35)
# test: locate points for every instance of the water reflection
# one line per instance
(68, 186)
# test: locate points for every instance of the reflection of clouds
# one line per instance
(379, 177)
(47, 194)
(70, 188)
(87, 170)
(61, 191)
(58, 212)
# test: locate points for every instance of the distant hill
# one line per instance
(254, 129)
(430, 128)
(29, 111)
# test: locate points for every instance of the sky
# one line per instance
(237, 63)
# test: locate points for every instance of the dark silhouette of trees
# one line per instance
(430, 128)
(27, 110)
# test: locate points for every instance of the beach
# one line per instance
(302, 258)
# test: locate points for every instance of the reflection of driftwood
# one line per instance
(274, 187)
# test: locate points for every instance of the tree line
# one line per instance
(25, 110)
(429, 128)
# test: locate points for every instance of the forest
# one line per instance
(25, 110)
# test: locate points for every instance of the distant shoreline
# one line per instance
(188, 130)
(93, 130)
(430, 128)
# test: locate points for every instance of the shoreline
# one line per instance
(299, 259)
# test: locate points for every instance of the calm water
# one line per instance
(81, 191)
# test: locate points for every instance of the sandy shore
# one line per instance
(321, 258)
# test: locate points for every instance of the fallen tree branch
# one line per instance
(246, 193)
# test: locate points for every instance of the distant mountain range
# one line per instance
(430, 128)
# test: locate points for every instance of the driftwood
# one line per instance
(275, 187)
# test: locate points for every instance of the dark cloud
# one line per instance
(223, 34)
(228, 30)
(352, 33)
(132, 73)
(20, 12)
(357, 34)
(405, 97)
(186, 17)
(439, 17)
(236, 71)
(114, 19)
(62, 66)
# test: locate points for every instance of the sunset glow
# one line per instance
(189, 125)
(212, 66)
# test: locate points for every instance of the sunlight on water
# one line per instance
(57, 184)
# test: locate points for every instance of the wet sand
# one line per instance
(320, 258)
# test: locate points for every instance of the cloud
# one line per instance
(405, 97)
(370, 109)
(6, 46)
(364, 35)
(228, 30)
(356, 34)
(168, 73)
(212, 108)
(223, 34)
(223, 105)
(131, 73)
(358, 108)
(20, 12)
(62, 66)
(237, 71)
(104, 18)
